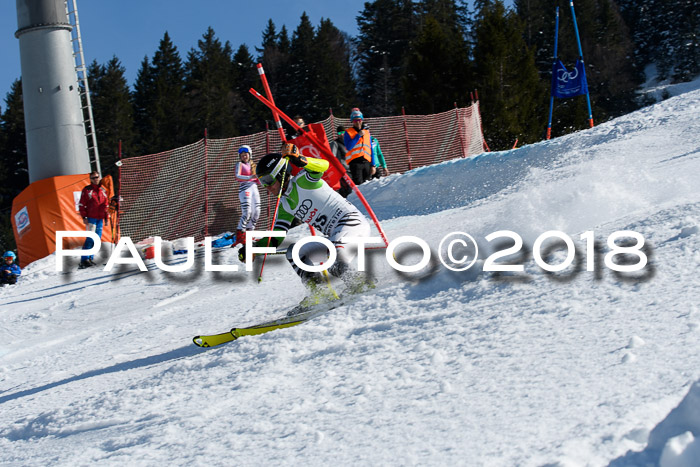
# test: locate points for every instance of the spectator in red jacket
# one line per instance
(94, 208)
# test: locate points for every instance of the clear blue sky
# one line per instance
(132, 29)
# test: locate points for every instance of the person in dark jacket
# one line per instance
(94, 208)
(339, 150)
(9, 271)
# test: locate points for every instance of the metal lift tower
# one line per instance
(56, 142)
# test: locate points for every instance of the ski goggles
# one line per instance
(269, 179)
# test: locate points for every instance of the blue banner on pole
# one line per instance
(567, 83)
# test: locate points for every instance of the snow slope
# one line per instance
(434, 368)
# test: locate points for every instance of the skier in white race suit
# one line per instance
(306, 197)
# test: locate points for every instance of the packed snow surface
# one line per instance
(577, 367)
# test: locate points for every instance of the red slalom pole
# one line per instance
(408, 144)
(329, 157)
(275, 115)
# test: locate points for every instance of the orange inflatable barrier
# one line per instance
(48, 206)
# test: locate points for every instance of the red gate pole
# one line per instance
(275, 116)
(206, 186)
(486, 145)
(119, 196)
(461, 133)
(329, 157)
(405, 132)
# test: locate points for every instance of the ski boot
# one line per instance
(357, 282)
(239, 238)
(88, 263)
(319, 292)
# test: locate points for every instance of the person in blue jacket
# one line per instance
(9, 271)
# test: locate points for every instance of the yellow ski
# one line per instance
(280, 323)
(213, 340)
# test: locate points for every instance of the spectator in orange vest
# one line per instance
(359, 146)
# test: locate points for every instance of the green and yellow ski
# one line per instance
(280, 323)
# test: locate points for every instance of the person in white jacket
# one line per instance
(248, 194)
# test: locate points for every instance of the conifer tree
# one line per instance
(6, 234)
(386, 29)
(142, 101)
(14, 176)
(284, 44)
(508, 84)
(159, 97)
(438, 72)
(209, 88)
(682, 41)
(3, 168)
(112, 112)
(281, 83)
(250, 113)
(688, 64)
(274, 56)
(269, 53)
(335, 86)
(168, 77)
(539, 18)
(642, 24)
(269, 37)
(13, 158)
(301, 76)
(666, 34)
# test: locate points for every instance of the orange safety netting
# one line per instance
(192, 191)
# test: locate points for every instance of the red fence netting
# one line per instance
(192, 191)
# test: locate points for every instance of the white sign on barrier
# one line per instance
(22, 220)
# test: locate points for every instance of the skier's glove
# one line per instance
(291, 152)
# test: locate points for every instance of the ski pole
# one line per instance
(274, 216)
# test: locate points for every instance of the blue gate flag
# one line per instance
(567, 83)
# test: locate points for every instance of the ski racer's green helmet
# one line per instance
(273, 167)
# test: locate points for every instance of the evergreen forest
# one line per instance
(421, 56)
